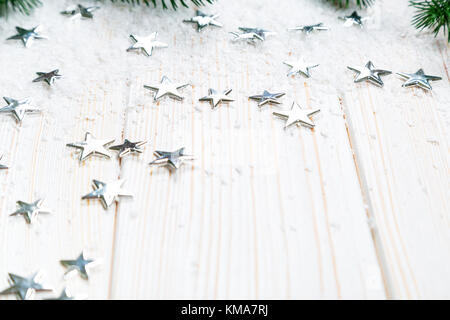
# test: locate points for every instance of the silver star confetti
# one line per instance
(203, 20)
(80, 265)
(30, 211)
(172, 159)
(309, 28)
(369, 73)
(2, 166)
(352, 19)
(28, 35)
(25, 288)
(91, 146)
(167, 87)
(419, 79)
(216, 97)
(107, 192)
(297, 115)
(252, 34)
(64, 295)
(300, 66)
(128, 147)
(19, 108)
(146, 44)
(267, 97)
(48, 77)
(81, 11)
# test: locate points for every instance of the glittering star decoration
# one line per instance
(48, 77)
(18, 108)
(64, 295)
(352, 19)
(128, 147)
(81, 11)
(251, 34)
(297, 115)
(300, 66)
(419, 79)
(203, 20)
(216, 97)
(28, 35)
(30, 211)
(146, 44)
(25, 288)
(91, 146)
(107, 192)
(369, 73)
(2, 166)
(309, 28)
(80, 265)
(267, 97)
(172, 159)
(167, 87)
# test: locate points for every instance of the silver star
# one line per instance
(25, 288)
(91, 146)
(203, 20)
(297, 115)
(300, 66)
(19, 108)
(127, 147)
(64, 295)
(2, 166)
(369, 73)
(309, 28)
(419, 79)
(48, 77)
(30, 211)
(267, 97)
(248, 36)
(107, 192)
(215, 97)
(262, 33)
(352, 19)
(172, 159)
(80, 265)
(146, 44)
(167, 87)
(81, 11)
(27, 35)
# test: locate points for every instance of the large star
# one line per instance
(369, 73)
(352, 19)
(203, 20)
(167, 87)
(419, 79)
(128, 147)
(64, 295)
(146, 44)
(267, 97)
(216, 97)
(80, 265)
(30, 211)
(300, 66)
(25, 288)
(107, 192)
(48, 77)
(173, 159)
(309, 28)
(19, 108)
(91, 146)
(297, 115)
(27, 35)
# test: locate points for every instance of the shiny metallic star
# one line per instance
(80, 265)
(267, 97)
(352, 19)
(107, 192)
(64, 295)
(48, 77)
(167, 87)
(146, 44)
(128, 147)
(91, 146)
(81, 11)
(419, 79)
(2, 166)
(25, 288)
(309, 28)
(297, 115)
(262, 33)
(172, 159)
(248, 36)
(27, 35)
(30, 211)
(300, 66)
(203, 20)
(19, 108)
(215, 97)
(369, 73)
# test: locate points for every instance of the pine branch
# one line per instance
(23, 6)
(432, 14)
(359, 3)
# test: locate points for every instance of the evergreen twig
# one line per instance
(359, 3)
(432, 14)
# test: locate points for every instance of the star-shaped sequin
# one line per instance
(48, 77)
(369, 73)
(18, 108)
(146, 44)
(128, 147)
(167, 87)
(80, 265)
(203, 20)
(297, 115)
(216, 97)
(91, 146)
(309, 28)
(172, 159)
(300, 66)
(30, 211)
(419, 79)
(28, 35)
(2, 166)
(267, 97)
(81, 11)
(352, 19)
(107, 192)
(25, 288)
(64, 295)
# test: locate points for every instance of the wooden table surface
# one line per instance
(358, 207)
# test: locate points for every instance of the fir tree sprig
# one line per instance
(23, 6)
(346, 3)
(433, 15)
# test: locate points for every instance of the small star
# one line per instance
(215, 97)
(369, 73)
(297, 115)
(64, 295)
(300, 66)
(27, 36)
(81, 264)
(352, 19)
(107, 192)
(48, 77)
(167, 87)
(19, 108)
(25, 288)
(30, 211)
(91, 146)
(203, 20)
(267, 97)
(172, 159)
(2, 166)
(81, 11)
(310, 28)
(419, 79)
(261, 33)
(146, 44)
(248, 36)
(127, 147)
